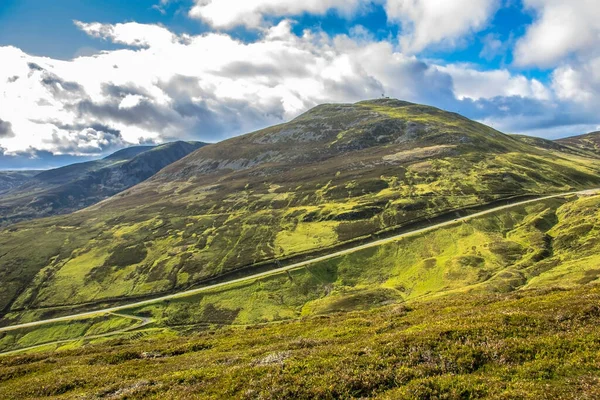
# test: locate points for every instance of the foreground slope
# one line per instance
(332, 175)
(532, 345)
(66, 189)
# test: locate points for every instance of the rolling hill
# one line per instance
(501, 304)
(338, 174)
(589, 142)
(70, 188)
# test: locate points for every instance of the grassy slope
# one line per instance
(336, 173)
(527, 345)
(505, 306)
(538, 246)
(77, 329)
(548, 244)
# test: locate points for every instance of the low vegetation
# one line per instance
(64, 332)
(529, 344)
(546, 244)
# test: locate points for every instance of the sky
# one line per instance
(80, 79)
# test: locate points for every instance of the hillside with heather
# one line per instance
(338, 174)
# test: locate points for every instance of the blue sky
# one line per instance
(44, 28)
(83, 78)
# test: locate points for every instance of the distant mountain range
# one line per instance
(33, 194)
(12, 179)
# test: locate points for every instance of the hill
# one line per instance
(70, 188)
(12, 179)
(589, 142)
(553, 145)
(338, 174)
(412, 319)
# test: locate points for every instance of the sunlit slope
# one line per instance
(534, 345)
(336, 173)
(548, 244)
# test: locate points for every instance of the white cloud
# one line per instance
(493, 47)
(212, 86)
(250, 13)
(131, 33)
(561, 29)
(438, 22)
(580, 83)
(474, 84)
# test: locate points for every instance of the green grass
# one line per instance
(501, 306)
(532, 246)
(529, 345)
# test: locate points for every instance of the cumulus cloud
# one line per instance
(131, 33)
(474, 84)
(251, 13)
(86, 141)
(438, 22)
(579, 82)
(561, 29)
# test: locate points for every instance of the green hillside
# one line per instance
(72, 187)
(547, 244)
(525, 345)
(333, 175)
(520, 322)
(502, 305)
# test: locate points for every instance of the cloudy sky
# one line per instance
(79, 79)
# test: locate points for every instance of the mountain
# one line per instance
(12, 179)
(70, 188)
(589, 142)
(336, 174)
